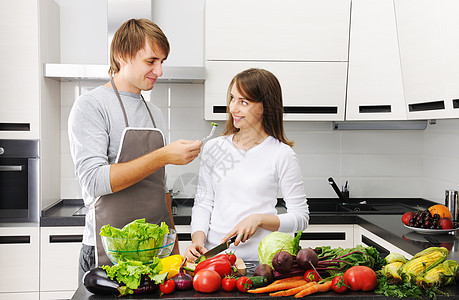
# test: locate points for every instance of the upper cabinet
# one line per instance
(303, 42)
(375, 87)
(289, 30)
(421, 45)
(19, 75)
(449, 10)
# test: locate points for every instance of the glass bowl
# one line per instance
(122, 250)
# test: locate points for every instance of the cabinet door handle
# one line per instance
(292, 109)
(11, 168)
(325, 236)
(184, 237)
(374, 109)
(427, 106)
(21, 239)
(382, 251)
(69, 238)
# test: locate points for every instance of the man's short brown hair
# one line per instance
(130, 38)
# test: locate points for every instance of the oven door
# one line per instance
(19, 194)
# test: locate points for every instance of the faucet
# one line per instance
(337, 191)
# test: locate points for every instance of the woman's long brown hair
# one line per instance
(259, 85)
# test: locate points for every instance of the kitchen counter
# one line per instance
(386, 225)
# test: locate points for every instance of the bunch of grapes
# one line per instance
(424, 219)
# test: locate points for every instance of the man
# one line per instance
(117, 142)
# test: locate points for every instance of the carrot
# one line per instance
(299, 277)
(293, 291)
(278, 287)
(316, 288)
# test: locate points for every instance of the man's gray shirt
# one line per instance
(95, 127)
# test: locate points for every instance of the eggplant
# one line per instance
(97, 282)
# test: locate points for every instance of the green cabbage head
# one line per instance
(275, 242)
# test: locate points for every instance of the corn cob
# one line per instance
(443, 274)
(423, 262)
(391, 272)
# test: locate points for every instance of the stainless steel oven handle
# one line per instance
(11, 168)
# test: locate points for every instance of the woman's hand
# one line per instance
(245, 229)
(194, 251)
(249, 225)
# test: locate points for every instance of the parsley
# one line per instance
(404, 289)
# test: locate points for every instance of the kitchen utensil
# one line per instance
(451, 202)
(212, 131)
(214, 251)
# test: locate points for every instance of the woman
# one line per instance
(242, 171)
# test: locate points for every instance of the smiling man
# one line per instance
(117, 142)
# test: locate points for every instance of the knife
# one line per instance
(214, 251)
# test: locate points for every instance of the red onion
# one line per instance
(183, 281)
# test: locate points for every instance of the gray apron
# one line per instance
(145, 199)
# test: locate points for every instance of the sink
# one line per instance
(357, 207)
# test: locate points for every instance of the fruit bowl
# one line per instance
(124, 249)
(431, 231)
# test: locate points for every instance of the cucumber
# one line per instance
(258, 281)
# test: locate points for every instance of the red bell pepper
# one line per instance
(219, 263)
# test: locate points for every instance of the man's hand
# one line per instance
(182, 152)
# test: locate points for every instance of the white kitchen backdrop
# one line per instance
(377, 163)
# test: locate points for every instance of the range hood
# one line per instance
(118, 11)
(77, 72)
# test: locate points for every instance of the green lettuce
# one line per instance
(130, 273)
(134, 240)
(277, 241)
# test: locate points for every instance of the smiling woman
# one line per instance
(242, 172)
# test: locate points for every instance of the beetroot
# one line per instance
(307, 258)
(283, 262)
(266, 271)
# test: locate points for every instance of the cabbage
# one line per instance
(277, 241)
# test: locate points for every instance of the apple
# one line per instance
(407, 217)
(446, 223)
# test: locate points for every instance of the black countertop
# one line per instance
(385, 224)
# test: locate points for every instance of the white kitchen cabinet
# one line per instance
(310, 90)
(336, 235)
(366, 238)
(291, 30)
(19, 261)
(184, 237)
(422, 59)
(375, 86)
(19, 74)
(449, 10)
(303, 42)
(60, 250)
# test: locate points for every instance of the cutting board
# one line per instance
(239, 264)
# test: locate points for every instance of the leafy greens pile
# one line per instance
(134, 241)
(338, 260)
(130, 274)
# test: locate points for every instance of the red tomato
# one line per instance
(338, 284)
(206, 281)
(228, 284)
(232, 258)
(360, 278)
(167, 287)
(243, 284)
(312, 275)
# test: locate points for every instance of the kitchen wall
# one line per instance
(377, 163)
(384, 163)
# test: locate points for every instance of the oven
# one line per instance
(19, 181)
